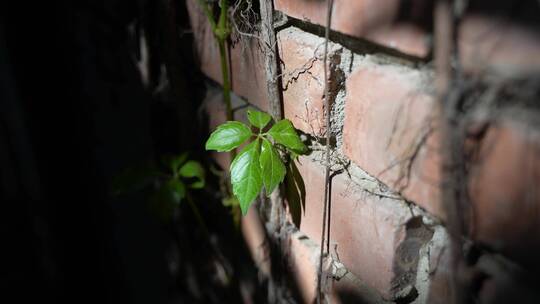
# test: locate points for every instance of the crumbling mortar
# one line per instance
(339, 73)
(412, 285)
(426, 265)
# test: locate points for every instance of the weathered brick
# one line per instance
(303, 256)
(388, 118)
(303, 79)
(372, 20)
(255, 237)
(371, 234)
(504, 186)
(386, 114)
(303, 260)
(489, 43)
(485, 42)
(246, 61)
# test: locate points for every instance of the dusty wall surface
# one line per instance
(387, 220)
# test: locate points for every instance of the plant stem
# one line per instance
(226, 81)
(222, 33)
(325, 234)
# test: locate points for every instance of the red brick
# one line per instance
(504, 187)
(485, 42)
(489, 43)
(373, 20)
(255, 237)
(367, 230)
(247, 63)
(303, 262)
(303, 75)
(387, 113)
(384, 115)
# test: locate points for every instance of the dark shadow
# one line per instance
(295, 191)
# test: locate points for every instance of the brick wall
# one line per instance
(387, 220)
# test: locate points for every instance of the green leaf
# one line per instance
(273, 169)
(167, 198)
(228, 136)
(246, 175)
(176, 161)
(258, 119)
(284, 133)
(176, 190)
(193, 169)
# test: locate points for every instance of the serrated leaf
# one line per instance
(246, 177)
(258, 119)
(273, 169)
(193, 169)
(228, 136)
(284, 133)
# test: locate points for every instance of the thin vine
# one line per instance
(326, 242)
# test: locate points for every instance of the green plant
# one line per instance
(221, 30)
(261, 161)
(169, 185)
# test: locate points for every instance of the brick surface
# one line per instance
(255, 237)
(486, 42)
(303, 79)
(388, 119)
(303, 259)
(246, 62)
(367, 231)
(504, 187)
(373, 20)
(388, 114)
(490, 43)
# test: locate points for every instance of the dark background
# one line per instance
(73, 113)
